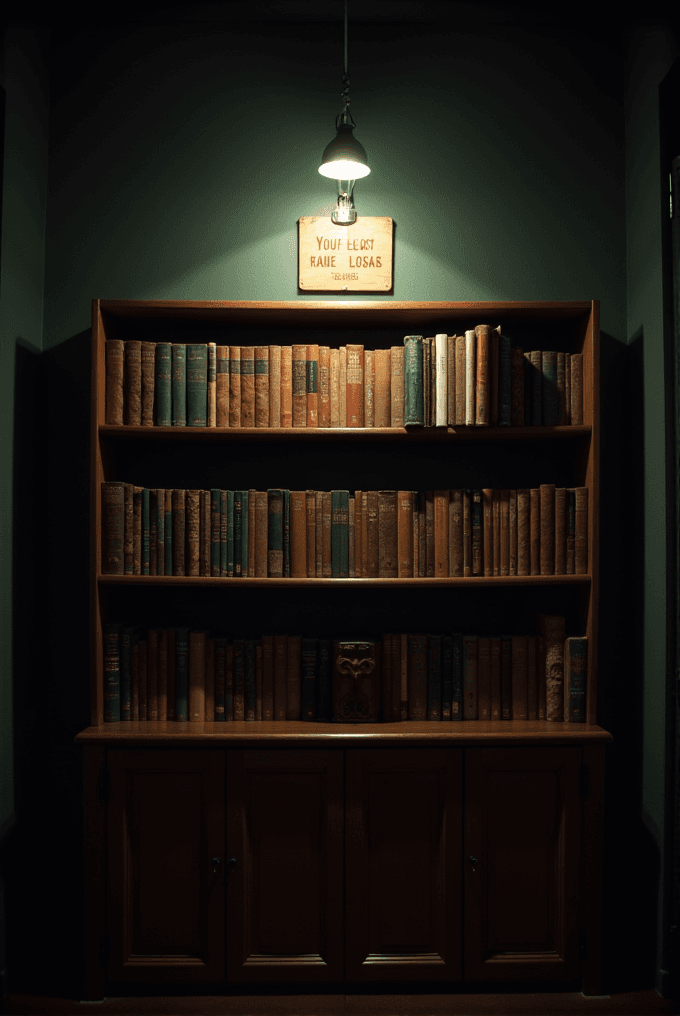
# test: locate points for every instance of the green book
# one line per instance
(160, 531)
(146, 530)
(286, 533)
(230, 534)
(309, 681)
(245, 497)
(224, 531)
(340, 534)
(168, 533)
(179, 384)
(163, 384)
(197, 384)
(434, 677)
(215, 522)
(414, 406)
(111, 673)
(182, 675)
(504, 381)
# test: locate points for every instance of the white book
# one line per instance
(441, 396)
(470, 368)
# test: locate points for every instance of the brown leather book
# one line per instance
(540, 675)
(427, 379)
(416, 536)
(397, 386)
(318, 549)
(372, 535)
(429, 533)
(293, 676)
(197, 651)
(209, 680)
(455, 532)
(211, 412)
(252, 529)
(483, 679)
(505, 531)
(312, 383)
(298, 534)
(354, 386)
(335, 387)
(261, 367)
(247, 386)
(403, 668)
(193, 524)
(326, 535)
(115, 360)
(178, 531)
(516, 387)
(299, 386)
(137, 531)
(577, 388)
(405, 533)
(495, 679)
(567, 388)
(493, 375)
(512, 533)
(261, 532)
(234, 386)
(275, 386)
(467, 533)
(267, 677)
(441, 533)
(206, 533)
(451, 380)
(171, 670)
(388, 553)
(369, 388)
(487, 523)
(561, 394)
(351, 536)
(382, 387)
(113, 527)
(148, 382)
(496, 525)
(280, 676)
(422, 535)
(239, 680)
(560, 531)
(324, 386)
(358, 534)
(128, 529)
(460, 380)
(554, 628)
(286, 386)
(342, 388)
(152, 674)
(482, 382)
(131, 387)
(519, 677)
(547, 536)
(523, 532)
(311, 533)
(534, 531)
(581, 531)
(532, 677)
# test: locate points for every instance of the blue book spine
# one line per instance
(457, 677)
(167, 547)
(182, 674)
(230, 533)
(447, 676)
(112, 673)
(249, 680)
(179, 384)
(197, 384)
(163, 384)
(434, 677)
(215, 526)
(146, 530)
(504, 381)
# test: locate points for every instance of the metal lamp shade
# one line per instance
(344, 149)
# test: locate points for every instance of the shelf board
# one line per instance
(412, 732)
(476, 580)
(410, 434)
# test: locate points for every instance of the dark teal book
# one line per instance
(238, 531)
(163, 384)
(414, 405)
(469, 677)
(245, 496)
(249, 680)
(167, 546)
(126, 634)
(275, 533)
(197, 384)
(230, 533)
(146, 530)
(220, 678)
(160, 532)
(312, 375)
(417, 677)
(182, 674)
(340, 534)
(324, 710)
(215, 530)
(506, 678)
(457, 677)
(447, 676)
(179, 384)
(550, 400)
(111, 673)
(434, 677)
(286, 533)
(309, 680)
(575, 671)
(504, 381)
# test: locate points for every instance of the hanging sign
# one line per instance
(335, 259)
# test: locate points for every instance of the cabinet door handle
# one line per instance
(216, 861)
(473, 861)
(232, 862)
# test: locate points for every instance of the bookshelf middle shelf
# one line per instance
(474, 580)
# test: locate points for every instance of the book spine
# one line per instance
(470, 376)
(227, 533)
(335, 387)
(261, 381)
(246, 530)
(495, 679)
(470, 687)
(146, 527)
(536, 358)
(286, 533)
(249, 681)
(512, 533)
(550, 408)
(554, 667)
(506, 678)
(504, 382)
(112, 634)
(324, 386)
(397, 386)
(477, 524)
(308, 682)
(115, 359)
(519, 677)
(160, 531)
(312, 385)
(275, 386)
(496, 530)
(483, 678)
(467, 533)
(178, 531)
(523, 532)
(298, 534)
(197, 384)
(222, 387)
(293, 667)
(504, 508)
(547, 527)
(197, 654)
(487, 529)
(342, 388)
(571, 530)
(280, 676)
(247, 386)
(211, 392)
(434, 677)
(388, 553)
(441, 379)
(455, 532)
(179, 384)
(299, 386)
(131, 405)
(125, 688)
(355, 386)
(577, 389)
(113, 527)
(517, 388)
(482, 386)
(168, 534)
(441, 533)
(220, 678)
(560, 382)
(261, 533)
(451, 380)
(275, 533)
(310, 515)
(234, 386)
(447, 676)
(215, 531)
(182, 675)
(267, 677)
(534, 531)
(461, 382)
(286, 386)
(163, 384)
(427, 380)
(414, 411)
(351, 537)
(567, 388)
(457, 678)
(193, 531)
(128, 528)
(404, 534)
(429, 533)
(339, 533)
(382, 388)
(560, 531)
(581, 530)
(575, 671)
(239, 679)
(417, 671)
(153, 530)
(369, 388)
(493, 375)
(148, 382)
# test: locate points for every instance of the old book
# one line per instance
(298, 534)
(215, 531)
(179, 384)
(280, 676)
(547, 524)
(457, 680)
(286, 533)
(182, 675)
(128, 527)
(340, 534)
(427, 380)
(168, 534)
(504, 510)
(487, 529)
(434, 677)
(350, 535)
(369, 389)
(416, 534)
(311, 532)
(299, 386)
(197, 650)
(240, 533)
(441, 340)
(494, 378)
(581, 530)
(335, 387)
(220, 678)
(506, 677)
(137, 536)
(115, 359)
(405, 533)
(414, 410)
(467, 532)
(483, 678)
(153, 525)
(125, 678)
(261, 365)
(342, 388)
(222, 387)
(326, 535)
(540, 671)
(535, 531)
(239, 679)
(560, 531)
(178, 531)
(495, 678)
(441, 533)
(536, 357)
(477, 523)
(429, 533)
(275, 533)
(312, 384)
(211, 411)
(286, 386)
(519, 677)
(247, 386)
(528, 385)
(249, 681)
(483, 375)
(382, 365)
(261, 518)
(192, 523)
(577, 389)
(356, 681)
(148, 382)
(417, 672)
(275, 386)
(512, 533)
(308, 681)
(455, 532)
(249, 567)
(111, 672)
(567, 388)
(570, 527)
(553, 630)
(324, 386)
(550, 407)
(205, 534)
(359, 555)
(461, 381)
(197, 384)
(575, 678)
(397, 386)
(293, 677)
(496, 530)
(372, 534)
(227, 533)
(234, 386)
(470, 686)
(470, 376)
(388, 553)
(146, 530)
(318, 529)
(163, 384)
(561, 394)
(447, 676)
(532, 677)
(517, 388)
(113, 527)
(354, 386)
(209, 678)
(503, 401)
(451, 380)
(523, 532)
(131, 394)
(422, 533)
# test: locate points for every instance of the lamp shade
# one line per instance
(344, 158)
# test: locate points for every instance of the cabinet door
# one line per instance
(284, 889)
(403, 889)
(522, 812)
(165, 866)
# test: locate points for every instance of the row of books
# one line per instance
(475, 379)
(334, 534)
(186, 675)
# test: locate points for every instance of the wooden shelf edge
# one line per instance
(474, 580)
(415, 434)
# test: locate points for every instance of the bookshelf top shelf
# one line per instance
(341, 735)
(290, 582)
(412, 434)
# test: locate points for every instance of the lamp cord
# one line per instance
(345, 77)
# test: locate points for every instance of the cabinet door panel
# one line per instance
(166, 896)
(521, 863)
(403, 864)
(285, 832)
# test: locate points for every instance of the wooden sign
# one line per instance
(356, 258)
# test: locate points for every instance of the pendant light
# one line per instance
(344, 158)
